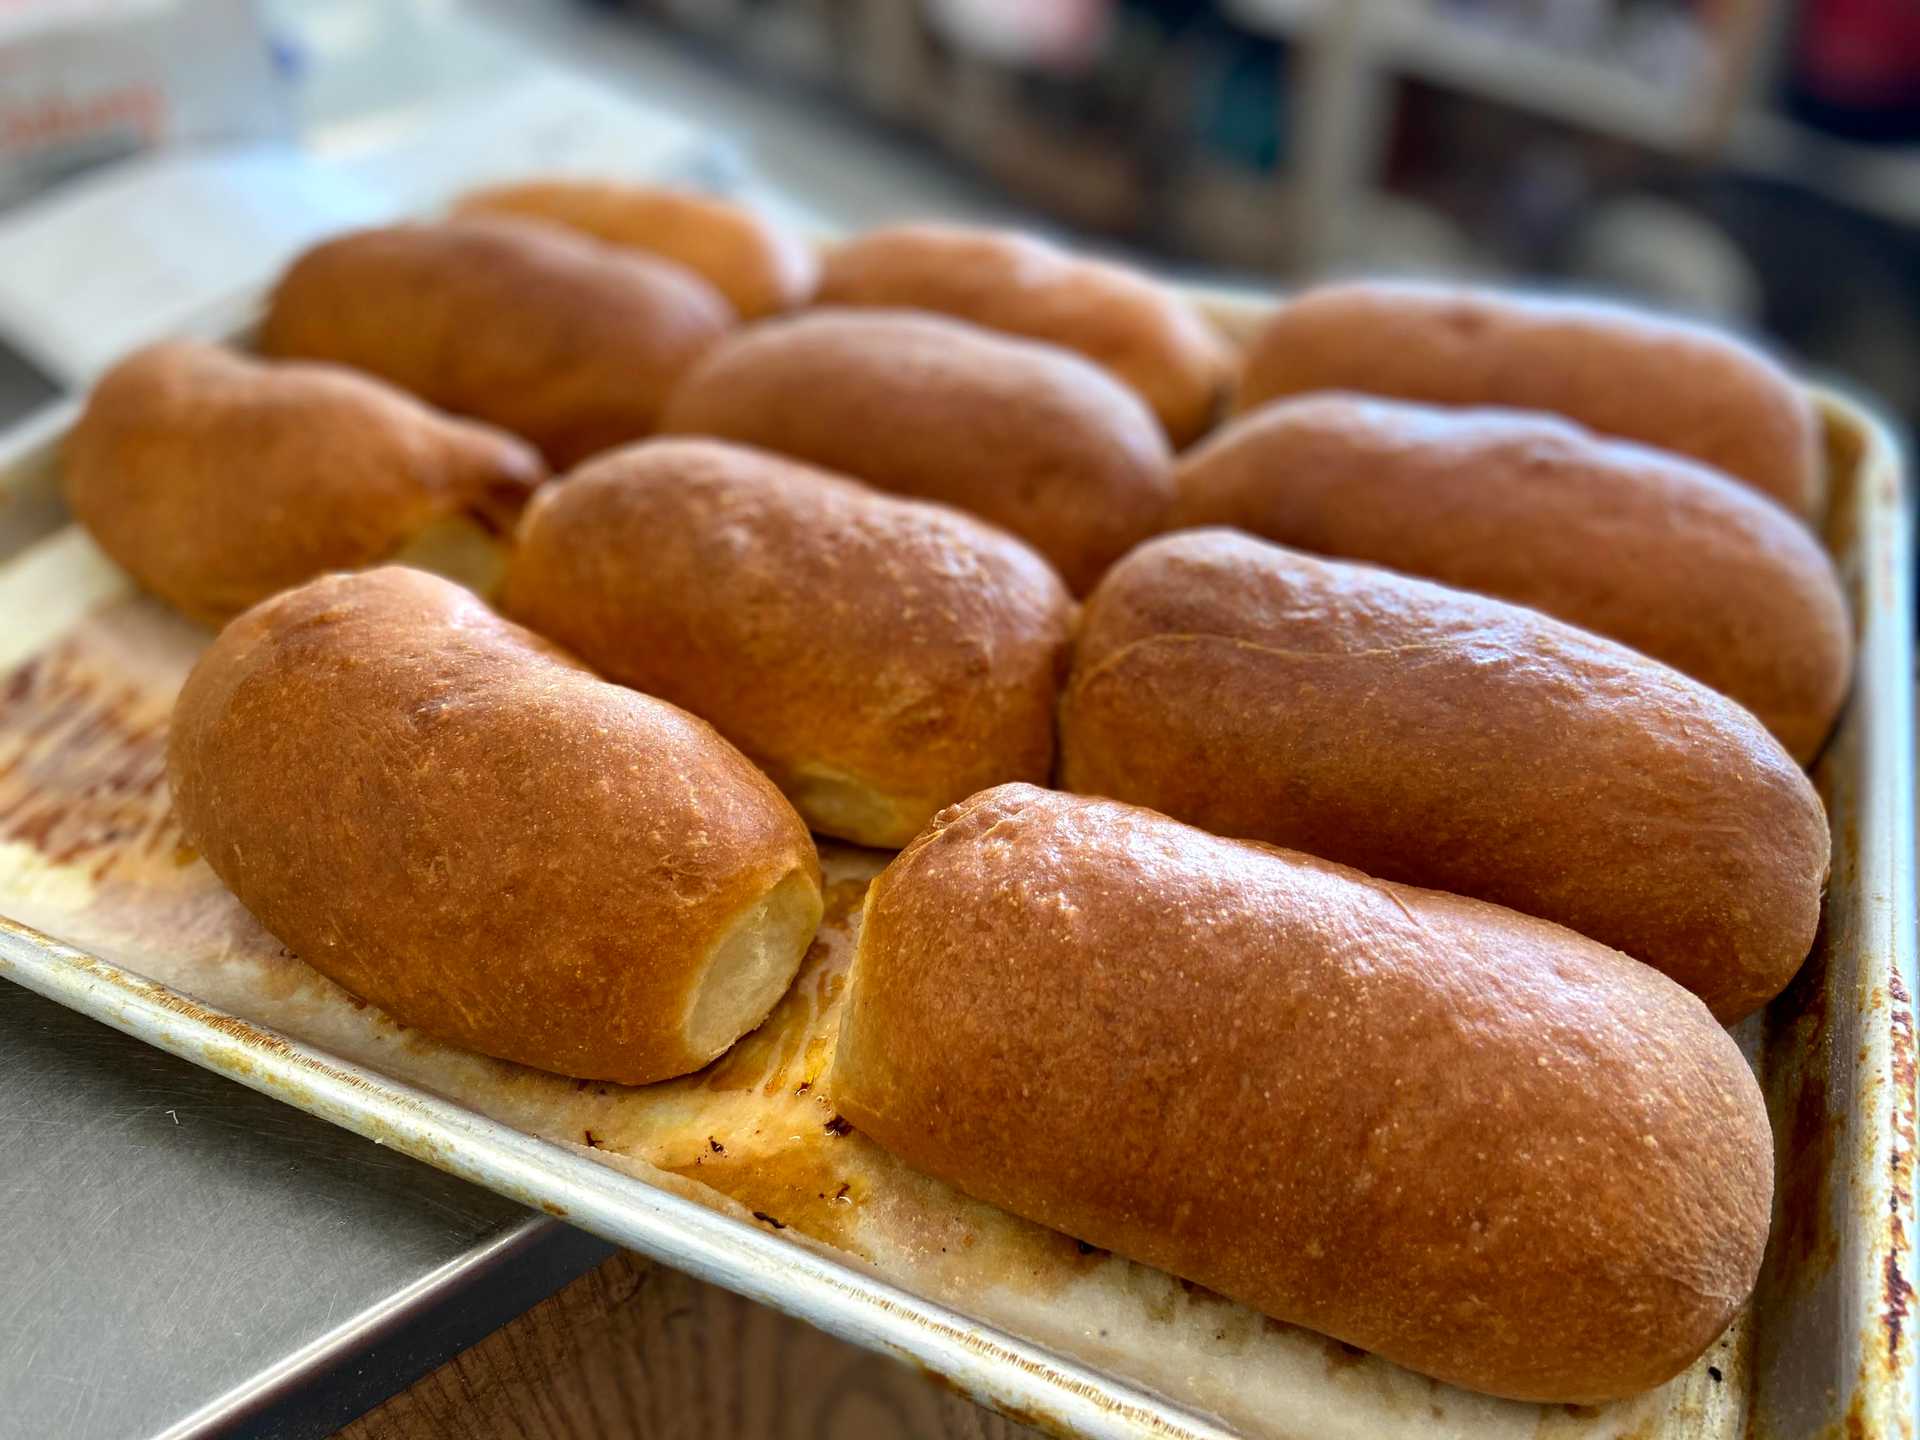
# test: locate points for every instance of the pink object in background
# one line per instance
(1861, 52)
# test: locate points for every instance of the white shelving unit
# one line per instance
(1348, 61)
(1352, 54)
(1877, 179)
(1415, 41)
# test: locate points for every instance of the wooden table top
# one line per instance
(636, 1351)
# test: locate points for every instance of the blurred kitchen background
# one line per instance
(1756, 162)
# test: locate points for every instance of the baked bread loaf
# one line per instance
(1031, 437)
(758, 265)
(1662, 554)
(558, 338)
(1439, 738)
(217, 480)
(1119, 318)
(1470, 1141)
(879, 658)
(1620, 372)
(464, 826)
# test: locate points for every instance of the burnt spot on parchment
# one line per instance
(83, 761)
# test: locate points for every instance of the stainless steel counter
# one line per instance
(180, 1256)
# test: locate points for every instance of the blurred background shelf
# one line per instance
(1756, 162)
(1416, 40)
(1573, 89)
(1878, 180)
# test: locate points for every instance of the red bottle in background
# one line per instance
(1855, 68)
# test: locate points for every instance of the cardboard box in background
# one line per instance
(84, 82)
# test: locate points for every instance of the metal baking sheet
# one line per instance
(742, 1174)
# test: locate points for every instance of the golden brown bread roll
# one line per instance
(1035, 439)
(568, 342)
(1662, 554)
(1141, 330)
(879, 658)
(454, 820)
(758, 265)
(217, 480)
(1439, 738)
(1470, 1141)
(1639, 377)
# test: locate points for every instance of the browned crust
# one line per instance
(1473, 1142)
(1439, 738)
(761, 267)
(1639, 377)
(1664, 555)
(457, 822)
(818, 624)
(1029, 436)
(1141, 330)
(217, 480)
(568, 342)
